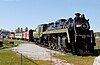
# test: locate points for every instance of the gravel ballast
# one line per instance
(36, 52)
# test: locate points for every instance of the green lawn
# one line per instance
(8, 57)
(77, 60)
(7, 44)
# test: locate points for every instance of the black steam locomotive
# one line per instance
(69, 35)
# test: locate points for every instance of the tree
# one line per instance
(18, 30)
(26, 29)
(21, 29)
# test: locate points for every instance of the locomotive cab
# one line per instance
(41, 28)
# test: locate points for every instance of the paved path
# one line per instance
(36, 52)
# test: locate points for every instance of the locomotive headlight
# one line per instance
(85, 26)
(78, 25)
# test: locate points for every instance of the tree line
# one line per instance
(20, 30)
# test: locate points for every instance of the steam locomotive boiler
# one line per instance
(68, 35)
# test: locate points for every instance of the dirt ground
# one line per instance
(35, 52)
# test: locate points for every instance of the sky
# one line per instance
(31, 13)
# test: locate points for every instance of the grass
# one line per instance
(7, 44)
(8, 57)
(77, 60)
(97, 47)
(80, 60)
